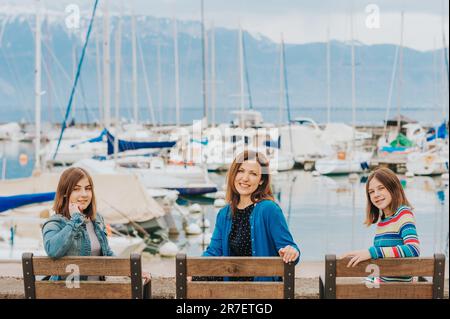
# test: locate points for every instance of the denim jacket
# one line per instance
(69, 237)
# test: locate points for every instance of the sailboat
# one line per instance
(401, 135)
(433, 162)
(433, 157)
(222, 143)
(347, 159)
(155, 172)
(11, 131)
(312, 142)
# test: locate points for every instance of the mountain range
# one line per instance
(418, 82)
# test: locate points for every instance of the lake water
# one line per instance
(324, 214)
(364, 115)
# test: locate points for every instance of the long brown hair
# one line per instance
(263, 191)
(389, 180)
(67, 182)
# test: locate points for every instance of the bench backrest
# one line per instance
(234, 267)
(84, 266)
(386, 267)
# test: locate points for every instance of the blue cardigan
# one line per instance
(268, 227)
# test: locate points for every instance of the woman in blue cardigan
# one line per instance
(252, 224)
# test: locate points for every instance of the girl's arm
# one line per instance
(57, 240)
(108, 251)
(411, 245)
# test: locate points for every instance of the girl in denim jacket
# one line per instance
(76, 229)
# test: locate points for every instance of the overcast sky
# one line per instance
(300, 21)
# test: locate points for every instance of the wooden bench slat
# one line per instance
(235, 290)
(389, 267)
(233, 266)
(87, 290)
(92, 266)
(403, 290)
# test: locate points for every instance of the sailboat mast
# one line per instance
(286, 91)
(280, 105)
(158, 61)
(213, 76)
(400, 78)
(134, 66)
(205, 108)
(445, 73)
(117, 87)
(353, 82)
(328, 77)
(37, 88)
(99, 76)
(241, 69)
(74, 72)
(106, 67)
(177, 71)
(391, 90)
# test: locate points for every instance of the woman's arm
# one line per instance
(57, 240)
(280, 233)
(215, 247)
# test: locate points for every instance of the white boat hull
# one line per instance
(348, 165)
(427, 164)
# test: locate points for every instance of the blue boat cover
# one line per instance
(10, 202)
(440, 132)
(126, 145)
(130, 145)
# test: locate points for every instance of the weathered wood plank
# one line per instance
(87, 290)
(235, 266)
(235, 290)
(92, 266)
(401, 290)
(393, 267)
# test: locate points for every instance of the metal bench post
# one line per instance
(181, 276)
(289, 279)
(330, 277)
(136, 275)
(438, 276)
(28, 276)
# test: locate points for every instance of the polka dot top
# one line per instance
(240, 241)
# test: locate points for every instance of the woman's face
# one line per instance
(379, 195)
(81, 194)
(248, 178)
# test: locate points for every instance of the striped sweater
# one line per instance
(396, 237)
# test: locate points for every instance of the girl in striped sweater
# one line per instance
(396, 235)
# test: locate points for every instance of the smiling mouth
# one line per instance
(244, 185)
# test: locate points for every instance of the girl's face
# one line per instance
(379, 195)
(248, 178)
(81, 194)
